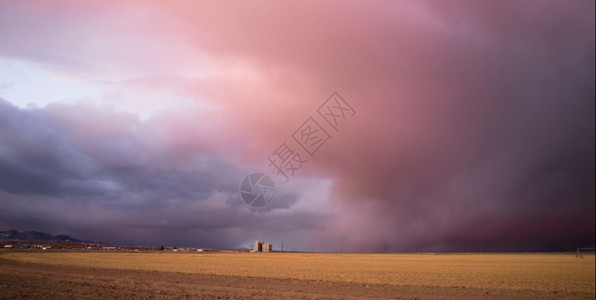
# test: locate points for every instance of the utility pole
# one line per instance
(282, 245)
(578, 254)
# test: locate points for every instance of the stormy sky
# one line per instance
(471, 125)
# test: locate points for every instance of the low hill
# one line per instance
(36, 236)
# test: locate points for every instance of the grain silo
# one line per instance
(267, 247)
(258, 246)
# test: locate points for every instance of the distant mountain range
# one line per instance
(36, 236)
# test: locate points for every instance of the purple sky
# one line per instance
(136, 122)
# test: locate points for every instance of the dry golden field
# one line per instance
(552, 276)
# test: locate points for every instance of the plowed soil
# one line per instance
(27, 275)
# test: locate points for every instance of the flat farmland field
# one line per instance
(166, 275)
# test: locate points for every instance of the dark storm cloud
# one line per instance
(87, 171)
(493, 147)
(34, 156)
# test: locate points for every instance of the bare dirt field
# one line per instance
(167, 275)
